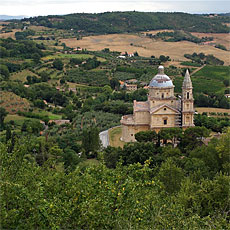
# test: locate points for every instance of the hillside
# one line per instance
(59, 88)
(146, 46)
(120, 22)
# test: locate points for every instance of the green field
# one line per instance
(178, 84)
(210, 79)
(14, 117)
(188, 63)
(49, 114)
(18, 120)
(22, 75)
(114, 137)
(68, 56)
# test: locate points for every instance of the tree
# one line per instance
(145, 136)
(36, 57)
(112, 156)
(3, 52)
(136, 54)
(226, 82)
(138, 152)
(163, 58)
(4, 71)
(44, 76)
(114, 83)
(173, 134)
(8, 133)
(58, 64)
(3, 114)
(39, 103)
(29, 79)
(70, 159)
(90, 141)
(209, 155)
(171, 176)
(193, 137)
(223, 150)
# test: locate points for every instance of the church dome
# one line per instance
(161, 79)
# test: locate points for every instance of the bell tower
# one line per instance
(187, 102)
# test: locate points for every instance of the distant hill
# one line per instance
(120, 22)
(224, 14)
(8, 17)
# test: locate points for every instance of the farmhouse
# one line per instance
(162, 109)
(131, 87)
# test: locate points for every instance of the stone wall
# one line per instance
(129, 131)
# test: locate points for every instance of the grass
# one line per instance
(68, 56)
(13, 103)
(18, 120)
(14, 117)
(114, 137)
(49, 114)
(145, 46)
(214, 72)
(22, 75)
(210, 79)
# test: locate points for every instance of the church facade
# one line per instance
(162, 109)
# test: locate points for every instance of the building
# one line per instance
(131, 87)
(162, 109)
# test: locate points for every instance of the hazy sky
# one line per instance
(51, 7)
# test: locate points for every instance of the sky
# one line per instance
(59, 7)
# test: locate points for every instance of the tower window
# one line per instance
(162, 95)
(187, 95)
(165, 121)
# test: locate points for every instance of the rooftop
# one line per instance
(161, 79)
(141, 106)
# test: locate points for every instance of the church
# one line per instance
(162, 109)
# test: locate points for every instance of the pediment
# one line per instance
(164, 109)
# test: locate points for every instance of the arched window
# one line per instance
(162, 95)
(187, 95)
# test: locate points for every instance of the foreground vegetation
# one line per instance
(170, 189)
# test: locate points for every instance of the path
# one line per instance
(104, 137)
(196, 70)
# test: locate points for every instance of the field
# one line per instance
(222, 39)
(10, 34)
(212, 110)
(145, 46)
(49, 114)
(210, 79)
(114, 137)
(14, 117)
(13, 103)
(68, 56)
(22, 75)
